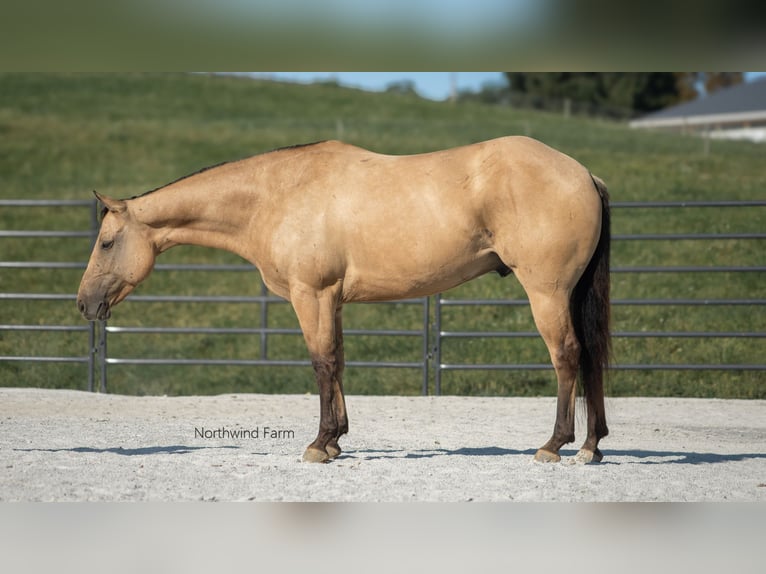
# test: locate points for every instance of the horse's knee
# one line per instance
(325, 367)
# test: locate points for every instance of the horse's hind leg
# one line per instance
(316, 311)
(553, 320)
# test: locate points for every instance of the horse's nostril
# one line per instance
(81, 306)
(103, 312)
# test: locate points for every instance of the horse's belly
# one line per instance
(386, 280)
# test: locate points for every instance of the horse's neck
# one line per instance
(195, 214)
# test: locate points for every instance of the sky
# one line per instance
(432, 85)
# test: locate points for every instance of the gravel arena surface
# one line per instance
(61, 445)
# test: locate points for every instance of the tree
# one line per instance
(404, 87)
(688, 85)
(609, 93)
(717, 80)
(657, 90)
(692, 84)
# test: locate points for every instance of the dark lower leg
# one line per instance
(597, 428)
(563, 429)
(341, 418)
(338, 399)
(324, 368)
(564, 355)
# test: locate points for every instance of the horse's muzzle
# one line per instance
(97, 310)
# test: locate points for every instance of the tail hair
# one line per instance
(590, 310)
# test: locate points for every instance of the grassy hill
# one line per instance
(63, 135)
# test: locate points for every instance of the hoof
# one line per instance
(332, 448)
(546, 456)
(315, 455)
(585, 456)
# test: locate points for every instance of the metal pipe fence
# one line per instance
(432, 332)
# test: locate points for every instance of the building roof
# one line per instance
(742, 103)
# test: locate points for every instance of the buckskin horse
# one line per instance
(330, 223)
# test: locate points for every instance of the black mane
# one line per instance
(204, 169)
(297, 146)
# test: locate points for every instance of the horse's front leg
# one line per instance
(316, 311)
(338, 399)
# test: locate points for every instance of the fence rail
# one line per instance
(431, 332)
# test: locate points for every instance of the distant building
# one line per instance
(738, 112)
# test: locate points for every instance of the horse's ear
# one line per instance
(113, 205)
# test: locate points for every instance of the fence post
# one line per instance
(264, 321)
(94, 337)
(438, 344)
(101, 351)
(91, 355)
(426, 343)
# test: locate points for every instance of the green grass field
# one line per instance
(62, 136)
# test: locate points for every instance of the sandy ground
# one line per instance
(59, 445)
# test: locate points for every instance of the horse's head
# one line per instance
(122, 257)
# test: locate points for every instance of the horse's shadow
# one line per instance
(610, 456)
(678, 457)
(376, 454)
(147, 450)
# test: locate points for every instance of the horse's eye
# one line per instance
(107, 244)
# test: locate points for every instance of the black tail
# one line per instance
(591, 317)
